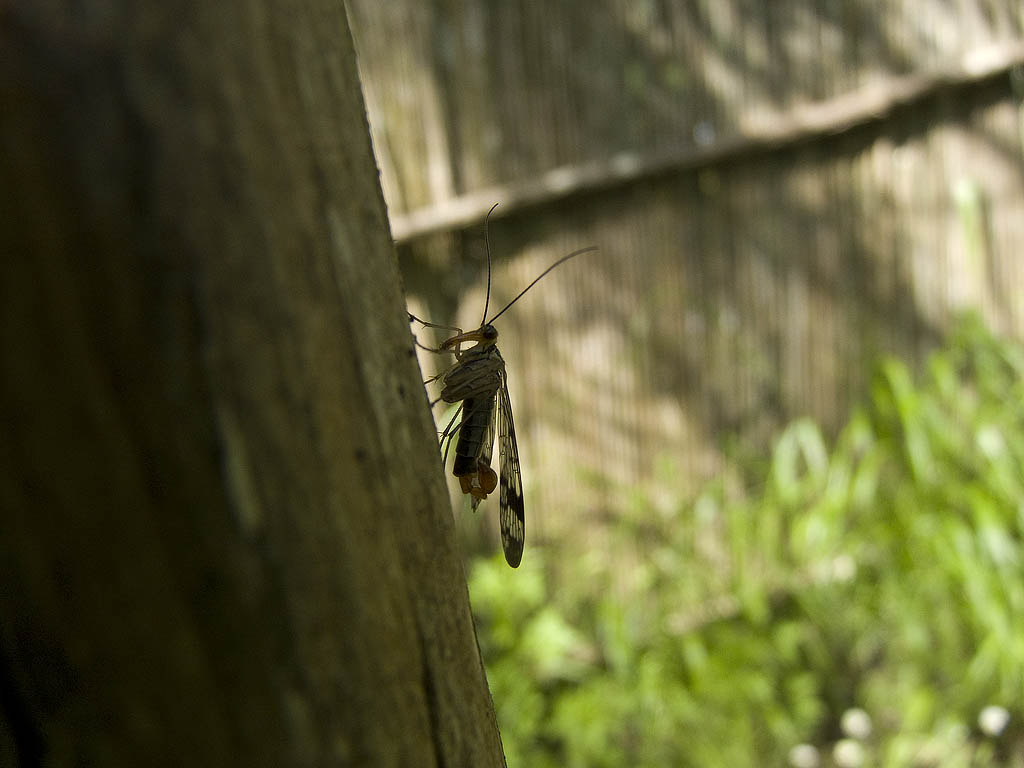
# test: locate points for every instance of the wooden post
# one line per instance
(224, 538)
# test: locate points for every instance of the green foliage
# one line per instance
(884, 575)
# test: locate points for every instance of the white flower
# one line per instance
(848, 753)
(856, 723)
(804, 756)
(993, 719)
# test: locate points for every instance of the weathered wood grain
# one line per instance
(224, 535)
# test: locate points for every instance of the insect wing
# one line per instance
(511, 515)
(487, 451)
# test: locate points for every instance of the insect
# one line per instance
(479, 382)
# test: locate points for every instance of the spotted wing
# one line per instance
(511, 516)
(487, 449)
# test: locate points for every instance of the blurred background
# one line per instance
(772, 431)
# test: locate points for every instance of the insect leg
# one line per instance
(425, 348)
(449, 433)
(440, 375)
(425, 324)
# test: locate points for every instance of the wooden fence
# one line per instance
(780, 193)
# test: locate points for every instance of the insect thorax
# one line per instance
(479, 372)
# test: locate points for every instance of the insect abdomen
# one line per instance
(478, 413)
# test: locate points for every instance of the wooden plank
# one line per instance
(756, 134)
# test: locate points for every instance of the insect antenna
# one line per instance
(487, 246)
(535, 280)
